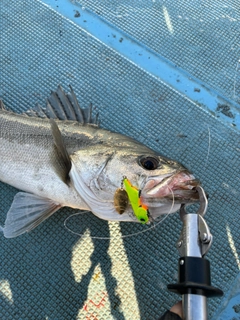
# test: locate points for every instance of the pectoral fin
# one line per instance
(27, 212)
(63, 155)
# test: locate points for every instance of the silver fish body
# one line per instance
(75, 163)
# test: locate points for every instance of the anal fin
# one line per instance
(26, 213)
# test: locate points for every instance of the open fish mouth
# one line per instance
(180, 188)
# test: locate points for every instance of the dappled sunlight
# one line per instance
(80, 262)
(101, 300)
(123, 273)
(232, 246)
(167, 20)
(97, 304)
(6, 291)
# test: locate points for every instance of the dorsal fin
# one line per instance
(36, 112)
(64, 106)
(78, 111)
(2, 107)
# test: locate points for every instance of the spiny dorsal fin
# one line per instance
(2, 106)
(64, 106)
(36, 112)
(78, 111)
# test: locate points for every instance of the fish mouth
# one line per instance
(180, 188)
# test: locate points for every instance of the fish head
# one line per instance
(163, 184)
(167, 185)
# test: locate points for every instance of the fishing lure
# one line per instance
(140, 210)
(130, 194)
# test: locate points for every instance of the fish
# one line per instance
(59, 156)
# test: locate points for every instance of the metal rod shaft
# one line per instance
(191, 236)
(194, 307)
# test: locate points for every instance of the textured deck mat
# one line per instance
(51, 273)
(206, 34)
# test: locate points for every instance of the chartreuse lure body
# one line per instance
(140, 210)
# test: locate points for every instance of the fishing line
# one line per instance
(208, 152)
(122, 236)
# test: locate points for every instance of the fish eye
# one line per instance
(149, 163)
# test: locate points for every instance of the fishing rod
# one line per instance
(193, 269)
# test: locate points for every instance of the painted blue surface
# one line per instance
(151, 62)
(230, 308)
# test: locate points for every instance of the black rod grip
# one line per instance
(194, 277)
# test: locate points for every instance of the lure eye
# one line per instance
(149, 163)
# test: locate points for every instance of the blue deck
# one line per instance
(166, 73)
